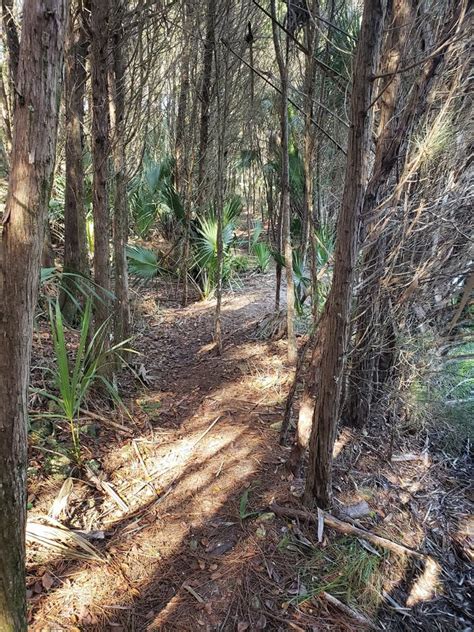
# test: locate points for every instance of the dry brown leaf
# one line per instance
(47, 581)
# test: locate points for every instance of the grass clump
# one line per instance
(347, 571)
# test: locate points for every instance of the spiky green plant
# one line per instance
(146, 193)
(301, 280)
(73, 378)
(76, 287)
(263, 256)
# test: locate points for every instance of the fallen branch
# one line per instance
(350, 612)
(348, 529)
(106, 422)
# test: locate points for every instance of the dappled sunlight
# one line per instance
(204, 488)
(158, 474)
(427, 585)
(343, 439)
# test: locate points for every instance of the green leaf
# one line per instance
(143, 262)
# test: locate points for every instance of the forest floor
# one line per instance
(184, 536)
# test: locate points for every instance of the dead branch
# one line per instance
(347, 529)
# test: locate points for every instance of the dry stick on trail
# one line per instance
(350, 612)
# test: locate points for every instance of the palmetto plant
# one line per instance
(143, 263)
(73, 377)
(153, 199)
(260, 249)
(324, 238)
(146, 265)
(204, 245)
(301, 280)
(263, 255)
(144, 194)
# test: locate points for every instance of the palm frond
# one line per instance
(143, 262)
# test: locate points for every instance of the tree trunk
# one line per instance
(32, 161)
(206, 99)
(336, 316)
(374, 339)
(222, 84)
(100, 155)
(309, 131)
(285, 189)
(13, 42)
(179, 147)
(75, 242)
(122, 305)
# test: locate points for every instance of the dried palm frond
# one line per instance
(60, 539)
(62, 499)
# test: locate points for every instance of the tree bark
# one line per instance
(285, 189)
(100, 155)
(309, 130)
(336, 316)
(209, 45)
(179, 146)
(32, 161)
(75, 242)
(13, 41)
(375, 341)
(122, 304)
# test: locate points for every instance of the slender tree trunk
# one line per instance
(309, 131)
(32, 161)
(285, 189)
(120, 232)
(220, 248)
(222, 82)
(179, 147)
(336, 316)
(182, 177)
(190, 147)
(100, 155)
(8, 84)
(6, 119)
(13, 42)
(75, 242)
(206, 99)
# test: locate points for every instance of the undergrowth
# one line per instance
(345, 569)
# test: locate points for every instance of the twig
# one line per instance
(205, 433)
(193, 593)
(345, 527)
(105, 421)
(106, 488)
(144, 467)
(350, 612)
(156, 473)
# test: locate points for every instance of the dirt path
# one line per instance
(203, 433)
